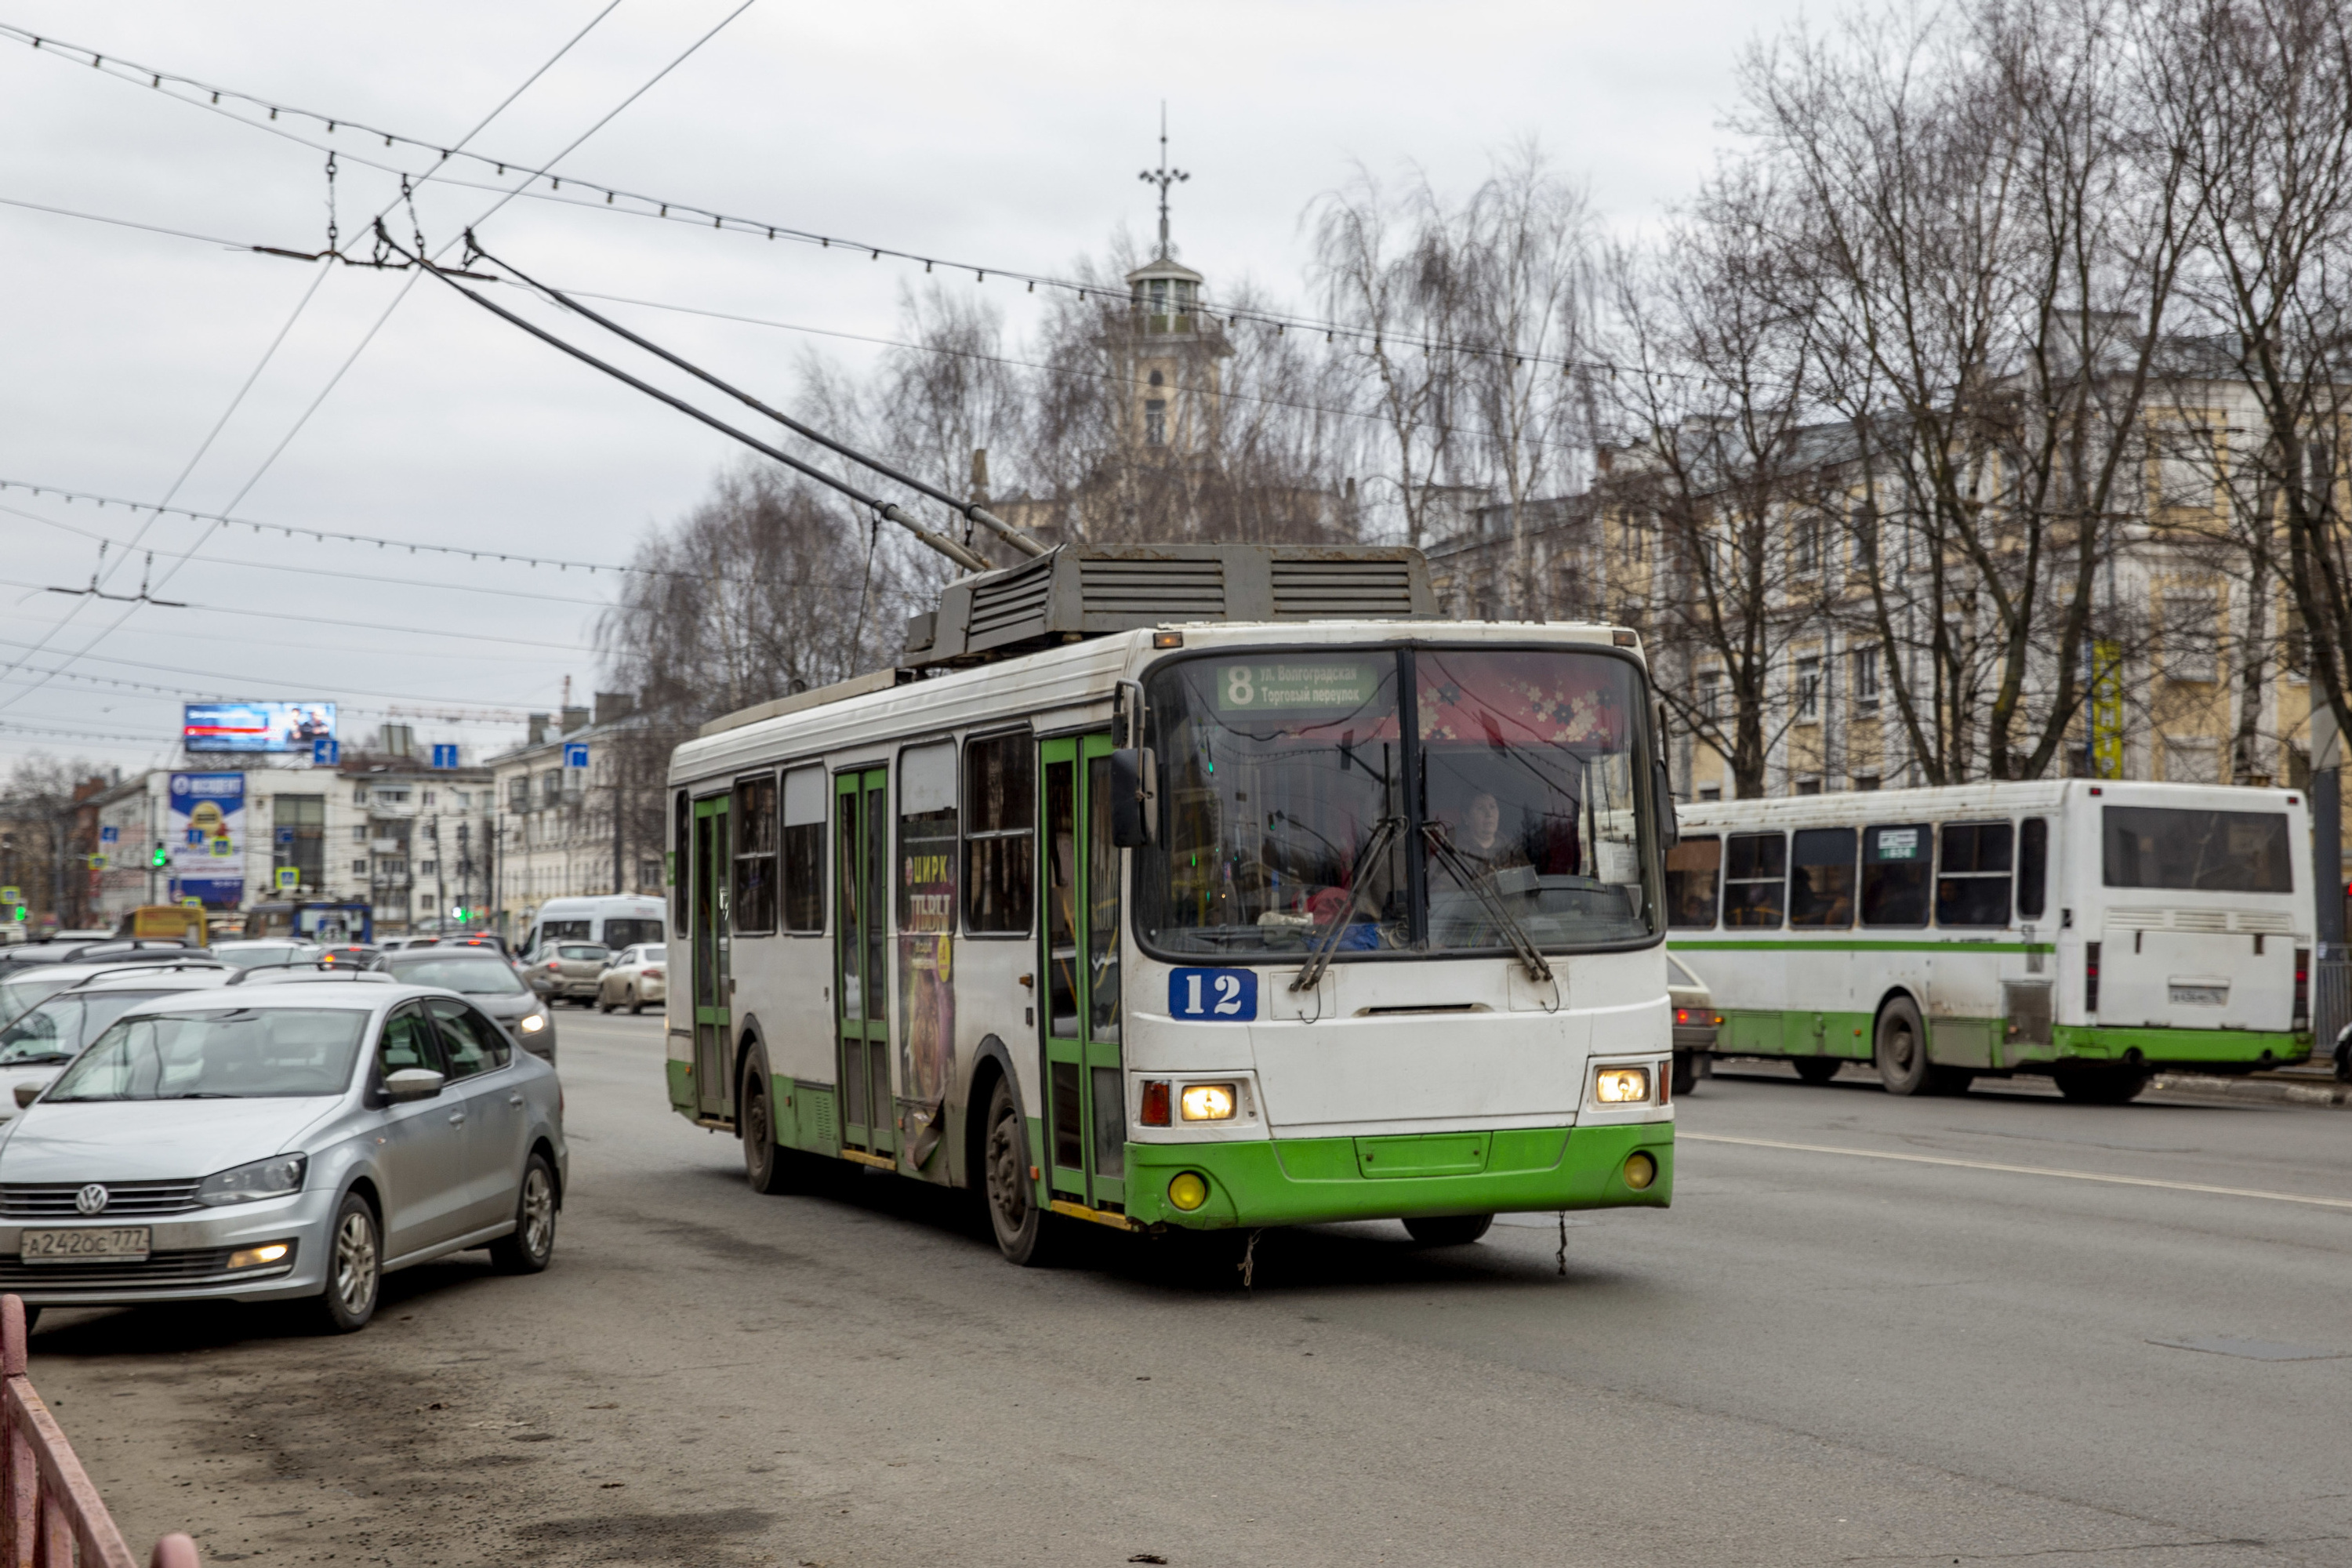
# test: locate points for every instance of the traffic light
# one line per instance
(160, 856)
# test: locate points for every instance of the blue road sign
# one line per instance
(109, 835)
(326, 752)
(285, 835)
(444, 756)
(575, 754)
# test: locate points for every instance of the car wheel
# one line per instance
(636, 1005)
(1450, 1229)
(1817, 1069)
(1902, 1049)
(354, 1268)
(1684, 1075)
(603, 1006)
(2102, 1086)
(531, 1246)
(1025, 1233)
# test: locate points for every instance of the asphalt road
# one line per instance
(1815, 1356)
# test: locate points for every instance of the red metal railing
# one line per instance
(50, 1515)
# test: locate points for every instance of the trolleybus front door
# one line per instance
(861, 859)
(713, 1009)
(1085, 1092)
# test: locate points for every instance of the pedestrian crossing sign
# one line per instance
(289, 878)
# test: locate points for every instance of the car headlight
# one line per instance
(1622, 1086)
(1208, 1101)
(533, 1023)
(271, 1178)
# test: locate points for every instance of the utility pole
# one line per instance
(620, 826)
(440, 879)
(2326, 832)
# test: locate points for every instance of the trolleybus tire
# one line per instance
(1900, 1048)
(766, 1164)
(1025, 1231)
(2102, 1086)
(1812, 1069)
(1448, 1229)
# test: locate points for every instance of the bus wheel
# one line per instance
(1450, 1229)
(1025, 1233)
(2102, 1086)
(1814, 1069)
(1902, 1049)
(764, 1161)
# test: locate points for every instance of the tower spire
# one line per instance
(1163, 176)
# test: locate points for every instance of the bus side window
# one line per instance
(754, 812)
(2033, 868)
(1691, 868)
(1820, 891)
(803, 851)
(1895, 865)
(680, 841)
(1972, 875)
(1000, 839)
(1755, 880)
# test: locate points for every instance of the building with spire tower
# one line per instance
(1164, 352)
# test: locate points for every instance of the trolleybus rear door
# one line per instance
(1085, 1091)
(713, 1008)
(861, 859)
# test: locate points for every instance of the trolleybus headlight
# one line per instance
(1208, 1101)
(1641, 1170)
(1622, 1086)
(1188, 1191)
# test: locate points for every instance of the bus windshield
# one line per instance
(1297, 809)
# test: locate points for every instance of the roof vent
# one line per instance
(1083, 591)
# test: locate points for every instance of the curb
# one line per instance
(2325, 1093)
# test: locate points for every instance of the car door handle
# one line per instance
(456, 1118)
(514, 1099)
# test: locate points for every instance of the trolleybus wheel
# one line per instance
(1448, 1229)
(1902, 1049)
(1813, 1070)
(2117, 1086)
(1025, 1233)
(764, 1163)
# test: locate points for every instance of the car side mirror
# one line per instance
(28, 1092)
(1669, 832)
(1134, 796)
(413, 1083)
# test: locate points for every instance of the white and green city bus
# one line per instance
(1161, 899)
(2095, 932)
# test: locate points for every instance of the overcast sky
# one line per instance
(1008, 135)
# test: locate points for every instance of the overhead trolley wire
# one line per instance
(889, 510)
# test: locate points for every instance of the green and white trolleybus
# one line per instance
(2095, 932)
(1267, 917)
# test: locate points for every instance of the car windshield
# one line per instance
(245, 1053)
(581, 951)
(1511, 808)
(262, 952)
(470, 975)
(27, 991)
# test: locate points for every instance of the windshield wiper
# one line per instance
(1482, 890)
(1310, 974)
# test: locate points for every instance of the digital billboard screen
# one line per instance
(256, 726)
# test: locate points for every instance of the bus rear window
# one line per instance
(1894, 866)
(1691, 868)
(2196, 851)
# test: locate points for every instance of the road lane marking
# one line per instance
(1681, 1136)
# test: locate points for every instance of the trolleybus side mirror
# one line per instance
(1669, 834)
(1133, 805)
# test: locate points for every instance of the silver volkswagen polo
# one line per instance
(286, 1142)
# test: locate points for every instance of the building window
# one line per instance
(300, 821)
(358, 832)
(427, 799)
(1866, 681)
(1865, 781)
(2191, 637)
(1710, 693)
(1000, 803)
(359, 794)
(2193, 761)
(1809, 786)
(1155, 423)
(1809, 690)
(426, 867)
(519, 794)
(2187, 469)
(359, 867)
(1805, 547)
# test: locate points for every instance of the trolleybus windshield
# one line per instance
(1298, 809)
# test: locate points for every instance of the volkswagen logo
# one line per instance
(91, 1199)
